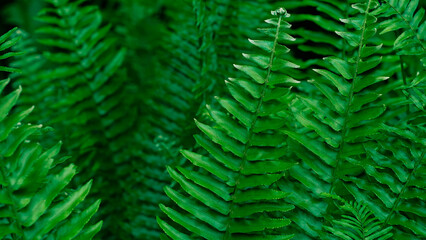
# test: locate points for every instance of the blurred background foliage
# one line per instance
(177, 55)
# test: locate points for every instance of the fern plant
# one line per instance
(361, 225)
(394, 167)
(86, 96)
(229, 192)
(31, 64)
(185, 80)
(335, 125)
(394, 182)
(393, 187)
(411, 40)
(342, 115)
(85, 63)
(35, 202)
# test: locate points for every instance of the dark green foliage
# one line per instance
(410, 40)
(232, 191)
(325, 141)
(315, 32)
(84, 62)
(359, 225)
(83, 90)
(395, 176)
(337, 123)
(31, 63)
(185, 80)
(35, 199)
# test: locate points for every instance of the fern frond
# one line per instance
(5, 44)
(407, 17)
(94, 103)
(335, 126)
(360, 225)
(34, 201)
(395, 181)
(182, 83)
(242, 17)
(395, 173)
(229, 191)
(348, 107)
(32, 64)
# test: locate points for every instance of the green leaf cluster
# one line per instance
(309, 120)
(36, 201)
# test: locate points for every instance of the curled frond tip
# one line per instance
(280, 12)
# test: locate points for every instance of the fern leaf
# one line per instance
(85, 68)
(241, 18)
(33, 200)
(32, 64)
(395, 176)
(409, 20)
(335, 126)
(5, 43)
(395, 161)
(232, 194)
(360, 225)
(87, 99)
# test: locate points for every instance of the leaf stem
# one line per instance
(227, 235)
(404, 79)
(349, 103)
(408, 24)
(417, 164)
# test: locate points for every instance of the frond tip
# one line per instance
(280, 12)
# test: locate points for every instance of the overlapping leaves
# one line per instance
(407, 17)
(361, 224)
(183, 81)
(34, 200)
(89, 97)
(336, 124)
(228, 191)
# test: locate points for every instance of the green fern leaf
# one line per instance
(395, 177)
(409, 20)
(334, 126)
(5, 44)
(232, 192)
(87, 97)
(360, 225)
(34, 203)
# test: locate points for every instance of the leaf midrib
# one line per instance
(417, 164)
(407, 23)
(349, 103)
(250, 130)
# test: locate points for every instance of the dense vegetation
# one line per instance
(309, 119)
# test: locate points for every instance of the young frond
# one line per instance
(361, 224)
